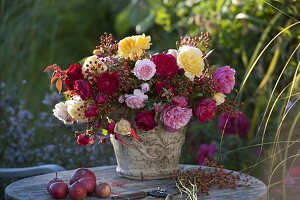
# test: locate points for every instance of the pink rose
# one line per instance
(83, 89)
(180, 101)
(144, 69)
(145, 87)
(205, 110)
(175, 117)
(136, 100)
(224, 79)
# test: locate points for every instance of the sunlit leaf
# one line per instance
(59, 85)
(104, 131)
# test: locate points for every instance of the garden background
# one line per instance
(260, 39)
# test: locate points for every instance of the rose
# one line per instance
(205, 110)
(219, 98)
(145, 120)
(100, 99)
(136, 100)
(144, 69)
(173, 52)
(190, 59)
(74, 71)
(205, 151)
(166, 65)
(76, 107)
(175, 117)
(108, 83)
(60, 111)
(233, 123)
(180, 101)
(224, 79)
(145, 87)
(83, 89)
(82, 139)
(123, 127)
(110, 127)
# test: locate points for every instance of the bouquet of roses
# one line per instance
(122, 89)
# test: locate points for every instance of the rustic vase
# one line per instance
(155, 156)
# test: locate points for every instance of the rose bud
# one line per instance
(83, 89)
(180, 101)
(82, 139)
(100, 99)
(110, 127)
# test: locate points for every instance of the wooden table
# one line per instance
(35, 187)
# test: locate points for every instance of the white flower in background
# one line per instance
(144, 69)
(145, 87)
(60, 111)
(93, 66)
(173, 52)
(219, 98)
(123, 127)
(76, 107)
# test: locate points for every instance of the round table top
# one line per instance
(36, 187)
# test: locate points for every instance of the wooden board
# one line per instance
(35, 187)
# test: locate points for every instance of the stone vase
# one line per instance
(155, 156)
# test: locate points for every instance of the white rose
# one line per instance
(219, 98)
(76, 107)
(144, 69)
(60, 111)
(123, 127)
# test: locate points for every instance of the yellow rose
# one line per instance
(219, 98)
(123, 127)
(76, 108)
(134, 46)
(190, 59)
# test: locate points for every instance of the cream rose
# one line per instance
(76, 107)
(190, 59)
(60, 111)
(123, 127)
(219, 98)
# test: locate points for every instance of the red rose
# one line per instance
(108, 83)
(82, 139)
(83, 89)
(69, 83)
(205, 110)
(74, 71)
(144, 120)
(163, 88)
(166, 65)
(91, 111)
